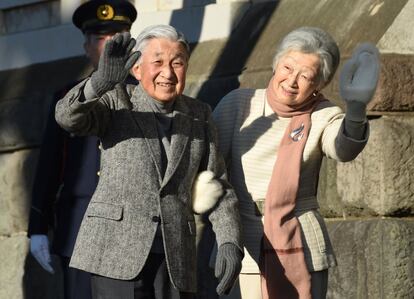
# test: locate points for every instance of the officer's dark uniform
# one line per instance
(68, 167)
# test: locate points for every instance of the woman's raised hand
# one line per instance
(358, 79)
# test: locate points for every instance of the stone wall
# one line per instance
(375, 258)
(24, 105)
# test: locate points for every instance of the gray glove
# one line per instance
(228, 266)
(39, 248)
(358, 80)
(114, 63)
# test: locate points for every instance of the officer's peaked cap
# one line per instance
(101, 16)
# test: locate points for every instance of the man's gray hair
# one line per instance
(160, 31)
(312, 40)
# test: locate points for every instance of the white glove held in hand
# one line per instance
(39, 248)
(206, 192)
(358, 80)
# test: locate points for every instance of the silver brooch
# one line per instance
(297, 134)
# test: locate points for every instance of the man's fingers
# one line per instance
(132, 60)
(131, 45)
(47, 260)
(223, 285)
(48, 267)
(117, 38)
(108, 48)
(44, 260)
(126, 37)
(121, 44)
(218, 271)
(116, 44)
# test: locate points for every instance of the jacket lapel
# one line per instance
(145, 119)
(181, 130)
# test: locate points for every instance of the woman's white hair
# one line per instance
(160, 31)
(312, 40)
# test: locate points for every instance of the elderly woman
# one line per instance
(138, 234)
(273, 141)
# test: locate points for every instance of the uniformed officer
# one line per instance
(68, 168)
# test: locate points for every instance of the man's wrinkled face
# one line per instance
(94, 45)
(162, 68)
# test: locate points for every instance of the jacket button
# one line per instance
(98, 173)
(156, 219)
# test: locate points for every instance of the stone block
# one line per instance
(375, 258)
(397, 38)
(179, 4)
(222, 58)
(13, 251)
(380, 180)
(32, 17)
(21, 276)
(170, 4)
(330, 202)
(146, 6)
(16, 179)
(394, 92)
(22, 122)
(36, 81)
(213, 90)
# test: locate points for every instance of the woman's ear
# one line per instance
(320, 86)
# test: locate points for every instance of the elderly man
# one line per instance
(138, 233)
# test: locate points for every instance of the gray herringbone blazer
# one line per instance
(120, 223)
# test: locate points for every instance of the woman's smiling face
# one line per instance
(296, 77)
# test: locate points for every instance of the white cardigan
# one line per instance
(249, 137)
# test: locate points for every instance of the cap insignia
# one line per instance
(105, 12)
